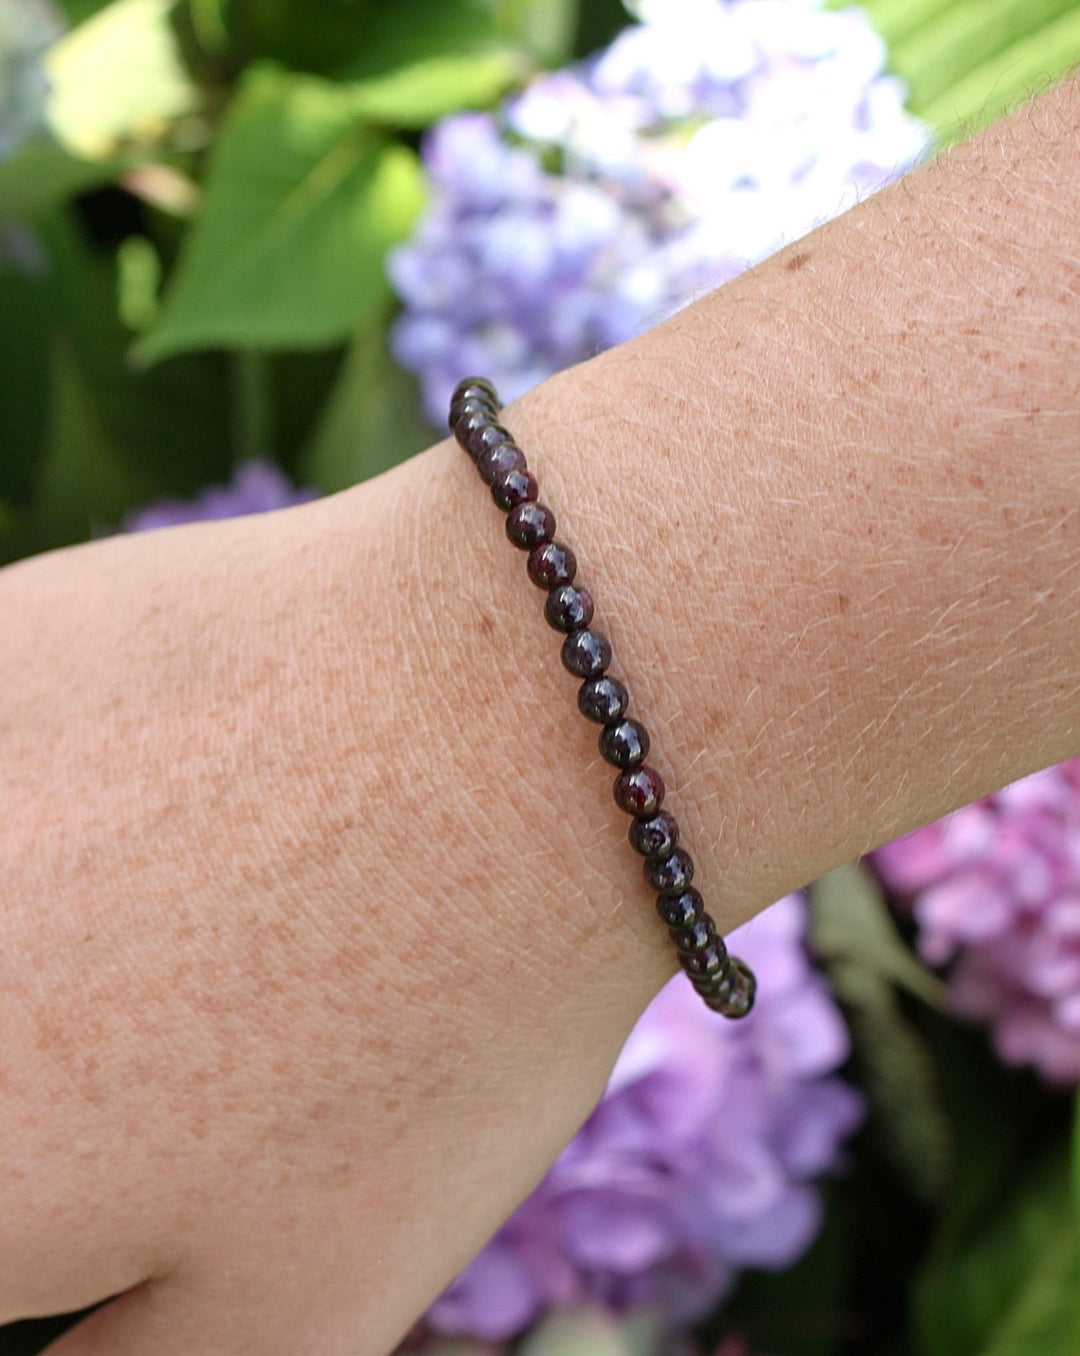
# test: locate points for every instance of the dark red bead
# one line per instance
(569, 608)
(496, 460)
(552, 564)
(679, 911)
(603, 699)
(625, 744)
(639, 790)
(467, 385)
(670, 875)
(490, 434)
(709, 963)
(470, 426)
(735, 997)
(696, 936)
(513, 487)
(586, 653)
(654, 837)
(530, 524)
(472, 404)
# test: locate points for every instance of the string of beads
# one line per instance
(724, 982)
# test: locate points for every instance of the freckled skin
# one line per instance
(311, 880)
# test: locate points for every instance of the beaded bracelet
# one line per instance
(725, 983)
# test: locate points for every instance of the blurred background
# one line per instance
(247, 247)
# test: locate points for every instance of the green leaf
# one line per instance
(543, 28)
(963, 36)
(1024, 68)
(42, 173)
(371, 421)
(853, 935)
(967, 62)
(416, 95)
(302, 202)
(117, 81)
(1015, 1290)
(355, 39)
(850, 921)
(84, 485)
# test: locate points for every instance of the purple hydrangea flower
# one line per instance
(257, 487)
(995, 890)
(606, 196)
(698, 1162)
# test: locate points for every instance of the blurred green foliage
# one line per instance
(192, 258)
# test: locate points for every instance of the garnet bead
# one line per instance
(639, 790)
(469, 425)
(709, 963)
(625, 743)
(655, 837)
(496, 460)
(487, 436)
(586, 653)
(679, 911)
(569, 608)
(670, 875)
(467, 385)
(552, 564)
(473, 403)
(530, 524)
(695, 937)
(602, 699)
(513, 487)
(735, 996)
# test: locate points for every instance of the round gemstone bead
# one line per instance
(670, 875)
(529, 524)
(551, 564)
(696, 936)
(735, 997)
(513, 487)
(467, 385)
(679, 911)
(489, 435)
(586, 653)
(496, 460)
(602, 699)
(625, 744)
(475, 402)
(569, 608)
(709, 963)
(470, 426)
(639, 790)
(655, 837)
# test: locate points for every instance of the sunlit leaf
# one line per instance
(117, 81)
(864, 957)
(415, 95)
(302, 201)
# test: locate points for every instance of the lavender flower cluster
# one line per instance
(698, 1161)
(995, 890)
(607, 195)
(257, 487)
